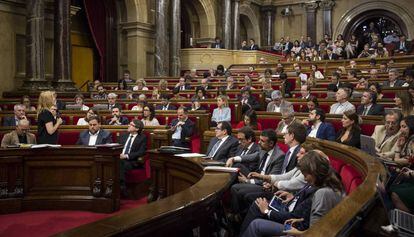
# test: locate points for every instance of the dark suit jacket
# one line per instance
(138, 147)
(254, 104)
(104, 137)
(226, 150)
(398, 83)
(325, 131)
(355, 141)
(274, 165)
(253, 47)
(375, 109)
(9, 121)
(289, 47)
(220, 45)
(334, 57)
(124, 121)
(187, 130)
(407, 46)
(251, 165)
(292, 162)
(117, 105)
(169, 107)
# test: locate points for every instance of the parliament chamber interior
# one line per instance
(206, 118)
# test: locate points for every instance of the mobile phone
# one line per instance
(288, 226)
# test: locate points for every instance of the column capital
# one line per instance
(310, 6)
(327, 4)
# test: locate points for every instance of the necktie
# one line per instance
(262, 164)
(165, 108)
(365, 110)
(182, 88)
(244, 152)
(285, 162)
(214, 149)
(128, 145)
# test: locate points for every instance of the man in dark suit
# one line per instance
(288, 46)
(393, 79)
(217, 44)
(112, 97)
(19, 114)
(182, 128)
(402, 46)
(135, 145)
(94, 135)
(270, 159)
(117, 118)
(253, 45)
(165, 103)
(330, 55)
(369, 104)
(247, 146)
(317, 127)
(248, 101)
(223, 145)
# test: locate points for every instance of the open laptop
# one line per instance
(73, 107)
(368, 146)
(388, 110)
(330, 94)
(100, 106)
(401, 221)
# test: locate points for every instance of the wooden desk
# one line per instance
(66, 178)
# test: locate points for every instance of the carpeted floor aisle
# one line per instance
(46, 223)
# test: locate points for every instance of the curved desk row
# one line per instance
(189, 197)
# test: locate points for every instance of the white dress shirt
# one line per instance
(92, 138)
(314, 130)
(130, 137)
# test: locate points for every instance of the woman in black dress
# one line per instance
(351, 131)
(47, 124)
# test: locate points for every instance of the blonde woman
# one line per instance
(222, 112)
(141, 85)
(47, 124)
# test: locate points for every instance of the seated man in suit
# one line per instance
(343, 104)
(317, 127)
(112, 97)
(253, 45)
(270, 159)
(369, 104)
(247, 146)
(19, 114)
(217, 44)
(288, 117)
(386, 136)
(278, 103)
(393, 79)
(94, 135)
(117, 118)
(182, 85)
(330, 55)
(248, 101)
(135, 145)
(20, 135)
(165, 103)
(402, 46)
(223, 145)
(182, 128)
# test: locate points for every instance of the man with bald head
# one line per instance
(20, 135)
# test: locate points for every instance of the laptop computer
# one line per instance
(368, 146)
(401, 221)
(100, 106)
(73, 107)
(388, 110)
(330, 94)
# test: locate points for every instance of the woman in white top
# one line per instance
(222, 112)
(85, 120)
(148, 116)
(141, 85)
(142, 100)
(318, 74)
(79, 101)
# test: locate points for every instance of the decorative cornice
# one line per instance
(135, 28)
(310, 6)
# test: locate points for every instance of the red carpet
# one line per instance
(46, 223)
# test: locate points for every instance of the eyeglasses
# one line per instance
(218, 129)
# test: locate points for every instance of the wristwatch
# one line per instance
(266, 211)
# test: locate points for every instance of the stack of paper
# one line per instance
(221, 169)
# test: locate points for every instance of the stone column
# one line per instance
(62, 58)
(161, 38)
(35, 46)
(227, 24)
(268, 13)
(311, 19)
(175, 61)
(236, 24)
(327, 6)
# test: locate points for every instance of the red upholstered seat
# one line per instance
(68, 137)
(348, 175)
(268, 122)
(355, 183)
(336, 164)
(283, 146)
(325, 107)
(337, 124)
(388, 95)
(136, 175)
(195, 144)
(367, 129)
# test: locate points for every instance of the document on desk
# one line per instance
(221, 169)
(46, 145)
(191, 155)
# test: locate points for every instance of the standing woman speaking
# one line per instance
(47, 124)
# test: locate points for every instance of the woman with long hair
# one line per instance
(323, 183)
(405, 143)
(318, 74)
(351, 131)
(47, 124)
(25, 100)
(311, 104)
(148, 116)
(250, 119)
(85, 121)
(403, 101)
(377, 89)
